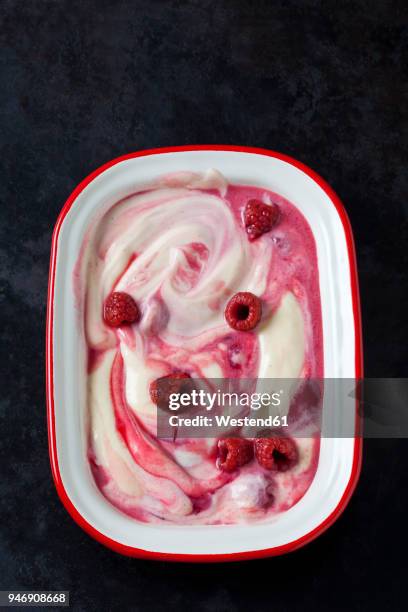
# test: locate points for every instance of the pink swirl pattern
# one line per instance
(179, 248)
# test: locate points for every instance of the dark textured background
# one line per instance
(85, 81)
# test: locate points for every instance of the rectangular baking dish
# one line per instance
(340, 458)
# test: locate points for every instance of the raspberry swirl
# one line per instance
(180, 250)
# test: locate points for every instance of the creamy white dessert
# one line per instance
(180, 249)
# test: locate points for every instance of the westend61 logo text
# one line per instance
(218, 399)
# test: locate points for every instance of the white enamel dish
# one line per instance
(340, 458)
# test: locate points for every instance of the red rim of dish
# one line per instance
(52, 444)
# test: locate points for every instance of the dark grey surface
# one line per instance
(85, 81)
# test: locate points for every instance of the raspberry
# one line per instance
(234, 453)
(276, 453)
(120, 309)
(161, 388)
(259, 218)
(243, 311)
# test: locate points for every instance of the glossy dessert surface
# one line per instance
(181, 251)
